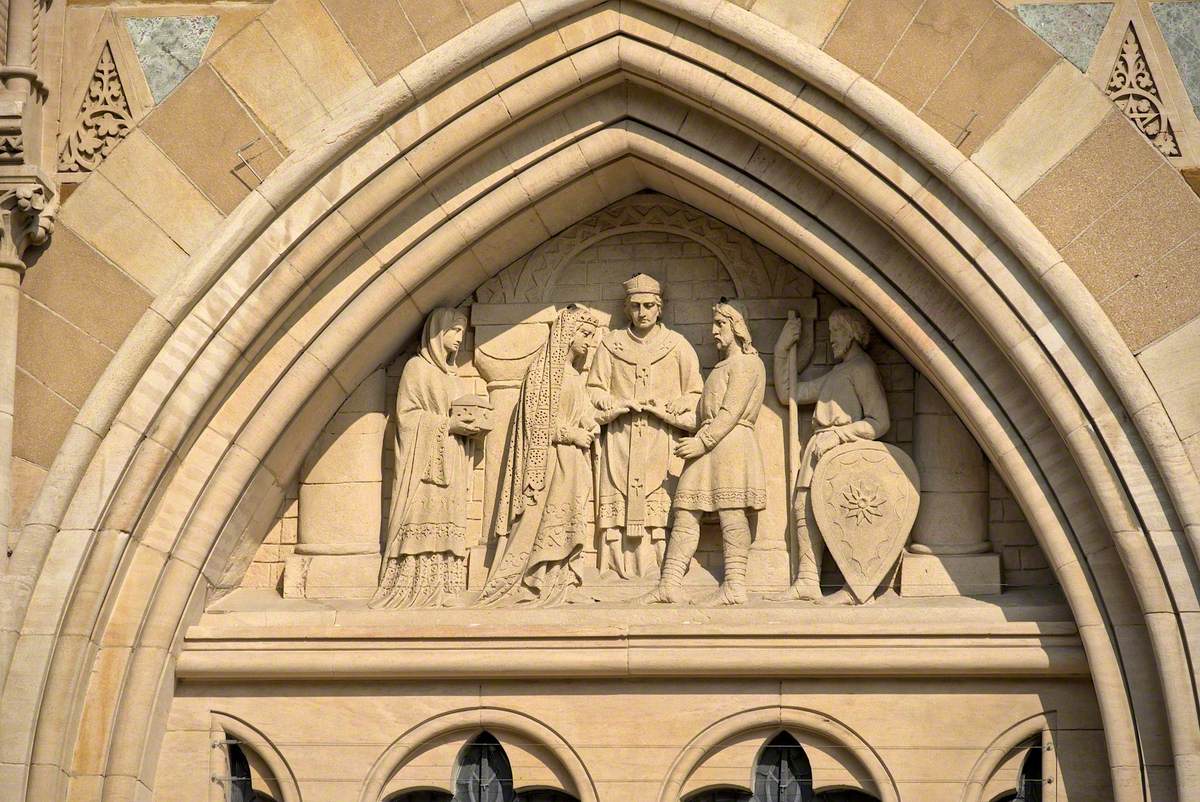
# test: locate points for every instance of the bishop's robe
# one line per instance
(638, 446)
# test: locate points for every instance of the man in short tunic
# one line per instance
(850, 405)
(639, 367)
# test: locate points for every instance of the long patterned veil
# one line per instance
(530, 437)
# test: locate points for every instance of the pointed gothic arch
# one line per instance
(225, 382)
(782, 772)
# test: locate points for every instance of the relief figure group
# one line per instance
(617, 440)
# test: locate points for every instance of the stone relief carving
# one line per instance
(724, 473)
(103, 120)
(548, 452)
(543, 521)
(654, 374)
(424, 560)
(850, 405)
(1132, 87)
(864, 500)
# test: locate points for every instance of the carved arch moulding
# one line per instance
(843, 741)
(208, 428)
(535, 737)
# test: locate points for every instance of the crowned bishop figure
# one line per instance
(653, 374)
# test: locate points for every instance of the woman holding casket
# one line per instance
(424, 560)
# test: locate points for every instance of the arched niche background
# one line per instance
(181, 449)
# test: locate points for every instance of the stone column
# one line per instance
(341, 508)
(10, 304)
(949, 554)
(27, 209)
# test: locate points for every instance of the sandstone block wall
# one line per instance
(273, 73)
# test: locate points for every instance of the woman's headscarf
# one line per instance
(535, 418)
(735, 313)
(433, 347)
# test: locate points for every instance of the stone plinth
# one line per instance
(950, 575)
(341, 508)
(950, 552)
(330, 576)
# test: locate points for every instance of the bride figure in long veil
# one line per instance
(542, 518)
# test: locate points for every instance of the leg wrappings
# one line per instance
(685, 537)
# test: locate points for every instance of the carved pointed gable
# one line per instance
(1132, 86)
(103, 120)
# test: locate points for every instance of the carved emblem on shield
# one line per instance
(864, 497)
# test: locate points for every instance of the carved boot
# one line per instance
(737, 551)
(685, 537)
(843, 598)
(670, 586)
(807, 586)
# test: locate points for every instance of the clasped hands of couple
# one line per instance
(668, 412)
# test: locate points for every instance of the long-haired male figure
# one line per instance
(850, 405)
(725, 472)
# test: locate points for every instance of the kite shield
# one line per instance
(864, 497)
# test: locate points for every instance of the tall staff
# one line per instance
(793, 352)
(793, 431)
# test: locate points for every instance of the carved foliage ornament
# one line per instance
(1132, 87)
(27, 214)
(104, 119)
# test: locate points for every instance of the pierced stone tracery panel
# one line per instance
(1132, 87)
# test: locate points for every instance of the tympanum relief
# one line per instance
(594, 424)
(424, 558)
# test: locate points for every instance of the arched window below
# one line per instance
(1029, 778)
(844, 795)
(783, 773)
(241, 778)
(721, 795)
(420, 796)
(484, 773)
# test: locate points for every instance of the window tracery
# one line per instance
(483, 773)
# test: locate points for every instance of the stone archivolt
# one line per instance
(197, 465)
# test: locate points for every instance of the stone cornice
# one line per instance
(215, 651)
